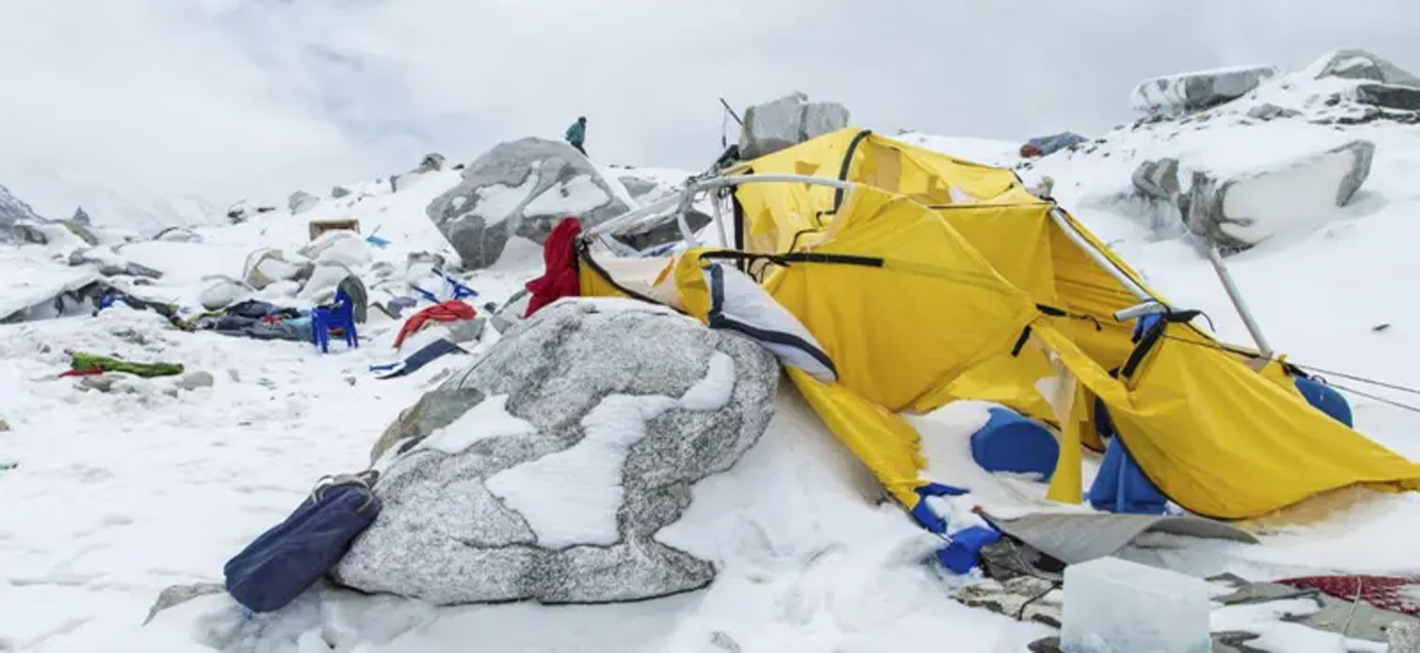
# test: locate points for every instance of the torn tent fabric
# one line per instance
(935, 279)
(449, 311)
(559, 256)
(738, 304)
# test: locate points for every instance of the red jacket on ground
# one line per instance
(448, 311)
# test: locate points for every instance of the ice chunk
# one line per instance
(1117, 606)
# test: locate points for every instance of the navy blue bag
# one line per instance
(285, 560)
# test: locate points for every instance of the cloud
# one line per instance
(241, 98)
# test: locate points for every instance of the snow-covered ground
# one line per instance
(117, 495)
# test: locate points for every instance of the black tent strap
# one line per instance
(847, 166)
(1054, 311)
(786, 260)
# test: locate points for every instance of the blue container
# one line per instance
(965, 550)
(1325, 399)
(1121, 487)
(1009, 442)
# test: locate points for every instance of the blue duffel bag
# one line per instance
(280, 564)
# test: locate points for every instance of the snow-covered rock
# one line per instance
(1361, 65)
(324, 279)
(338, 247)
(1388, 96)
(110, 263)
(178, 235)
(1158, 179)
(12, 210)
(653, 234)
(786, 122)
(221, 292)
(61, 234)
(524, 188)
(1243, 211)
(1195, 91)
(267, 266)
(301, 201)
(194, 380)
(546, 470)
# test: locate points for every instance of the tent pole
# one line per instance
(1236, 297)
(716, 201)
(685, 201)
(1099, 259)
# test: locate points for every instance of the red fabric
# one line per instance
(448, 311)
(559, 254)
(92, 371)
(1393, 593)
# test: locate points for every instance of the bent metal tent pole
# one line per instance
(715, 183)
(1099, 258)
(1217, 260)
(631, 218)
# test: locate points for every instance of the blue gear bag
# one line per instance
(285, 560)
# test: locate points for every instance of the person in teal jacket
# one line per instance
(577, 134)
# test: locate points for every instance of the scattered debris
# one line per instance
(318, 227)
(1271, 111)
(178, 594)
(1047, 145)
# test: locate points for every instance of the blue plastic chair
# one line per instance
(340, 316)
(460, 291)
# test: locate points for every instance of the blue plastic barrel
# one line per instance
(965, 550)
(1010, 442)
(1325, 399)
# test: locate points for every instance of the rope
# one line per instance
(1355, 601)
(1381, 384)
(1383, 400)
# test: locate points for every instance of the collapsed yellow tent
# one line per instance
(936, 279)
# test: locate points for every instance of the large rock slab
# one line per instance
(524, 188)
(1389, 96)
(1244, 210)
(545, 470)
(1195, 91)
(111, 263)
(1363, 65)
(786, 122)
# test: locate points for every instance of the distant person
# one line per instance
(577, 134)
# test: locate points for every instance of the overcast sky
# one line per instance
(227, 99)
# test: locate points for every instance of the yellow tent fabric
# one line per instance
(921, 283)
